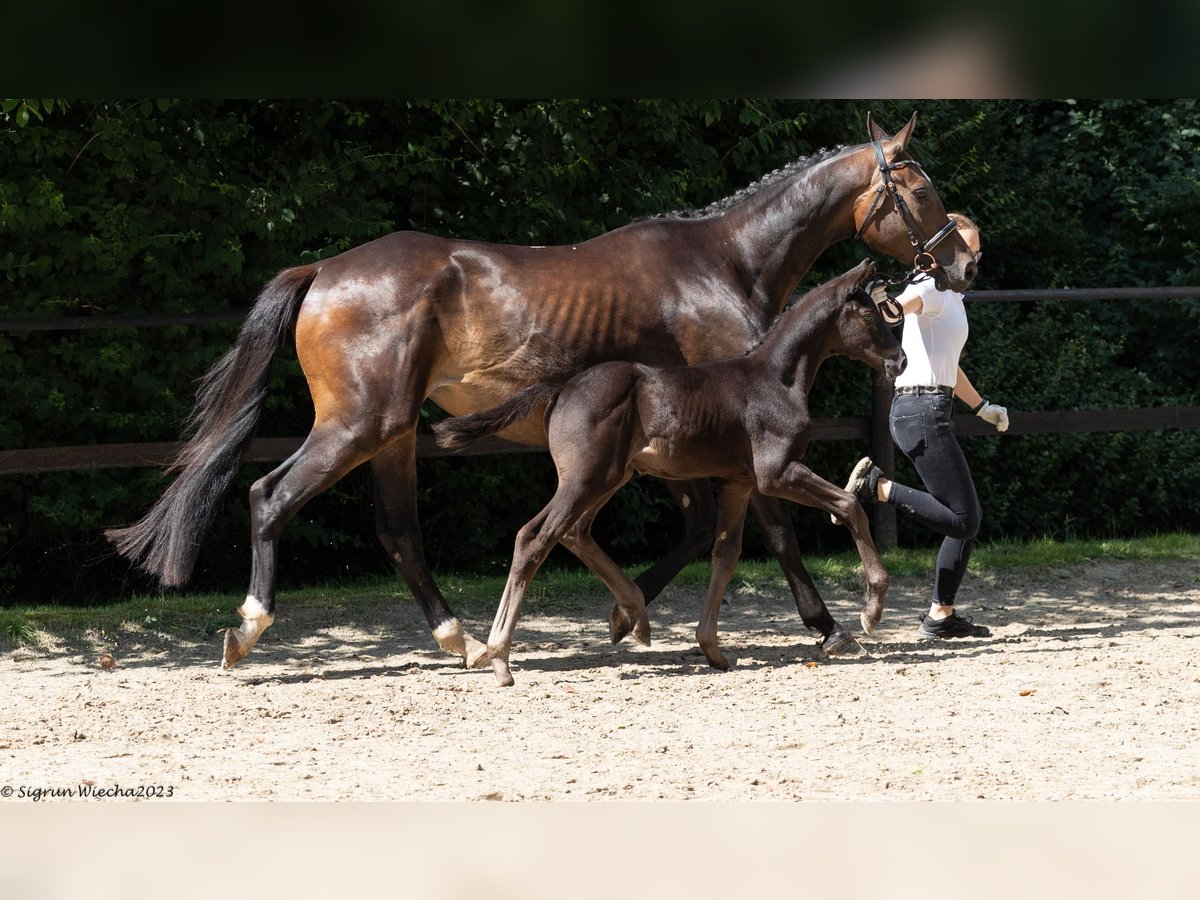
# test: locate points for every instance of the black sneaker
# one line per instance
(863, 480)
(953, 626)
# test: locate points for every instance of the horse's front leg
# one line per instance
(798, 483)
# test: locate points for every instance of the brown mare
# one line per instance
(743, 422)
(410, 316)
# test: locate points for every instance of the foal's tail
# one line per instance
(166, 541)
(456, 433)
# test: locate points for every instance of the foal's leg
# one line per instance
(695, 499)
(534, 542)
(800, 484)
(622, 621)
(327, 454)
(398, 529)
(780, 536)
(727, 550)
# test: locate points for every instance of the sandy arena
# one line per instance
(1086, 690)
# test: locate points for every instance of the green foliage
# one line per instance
(188, 206)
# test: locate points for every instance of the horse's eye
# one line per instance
(921, 194)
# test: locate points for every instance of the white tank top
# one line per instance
(933, 338)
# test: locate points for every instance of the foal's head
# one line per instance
(854, 327)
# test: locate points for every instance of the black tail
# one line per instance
(166, 541)
(456, 433)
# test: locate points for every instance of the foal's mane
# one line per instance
(792, 168)
(817, 292)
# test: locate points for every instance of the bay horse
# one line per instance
(742, 422)
(409, 316)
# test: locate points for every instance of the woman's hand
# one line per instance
(994, 414)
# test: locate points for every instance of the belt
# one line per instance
(918, 389)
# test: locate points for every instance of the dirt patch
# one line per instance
(1086, 690)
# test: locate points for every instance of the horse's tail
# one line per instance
(166, 541)
(456, 433)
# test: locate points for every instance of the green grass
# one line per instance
(200, 616)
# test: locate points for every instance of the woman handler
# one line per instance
(935, 330)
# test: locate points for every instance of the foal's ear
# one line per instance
(865, 271)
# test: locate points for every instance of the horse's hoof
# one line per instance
(868, 624)
(641, 631)
(841, 643)
(716, 659)
(619, 625)
(235, 650)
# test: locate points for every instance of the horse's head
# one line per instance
(860, 331)
(901, 214)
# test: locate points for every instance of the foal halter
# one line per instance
(923, 260)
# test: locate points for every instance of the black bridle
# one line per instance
(923, 261)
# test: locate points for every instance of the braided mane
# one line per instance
(726, 203)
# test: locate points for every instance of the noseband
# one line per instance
(923, 261)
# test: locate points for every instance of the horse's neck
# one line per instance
(782, 230)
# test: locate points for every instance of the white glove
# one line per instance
(889, 307)
(994, 415)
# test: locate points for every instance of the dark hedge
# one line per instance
(141, 206)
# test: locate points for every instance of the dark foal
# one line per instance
(743, 422)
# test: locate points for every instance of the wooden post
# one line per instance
(883, 452)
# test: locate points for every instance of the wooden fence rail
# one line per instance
(872, 428)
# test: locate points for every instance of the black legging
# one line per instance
(922, 428)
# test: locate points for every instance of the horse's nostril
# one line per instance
(970, 271)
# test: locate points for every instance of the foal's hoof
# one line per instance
(869, 622)
(619, 625)
(235, 650)
(503, 675)
(477, 656)
(641, 631)
(841, 643)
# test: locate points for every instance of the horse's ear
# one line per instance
(876, 133)
(905, 134)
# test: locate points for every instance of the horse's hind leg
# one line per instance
(695, 499)
(326, 455)
(780, 536)
(732, 500)
(398, 529)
